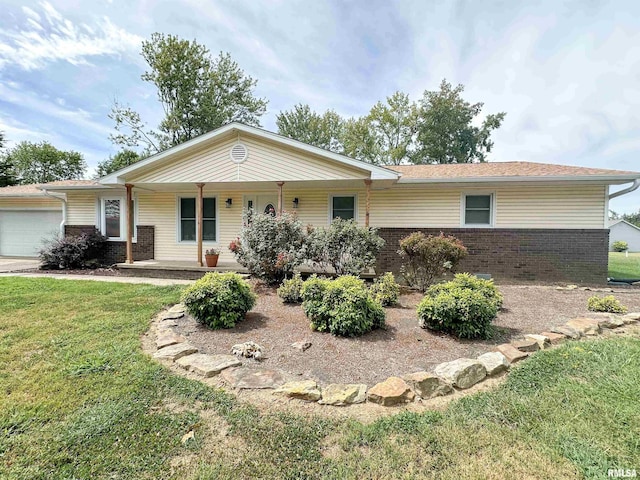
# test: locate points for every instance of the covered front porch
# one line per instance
(188, 219)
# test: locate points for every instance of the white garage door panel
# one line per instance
(22, 232)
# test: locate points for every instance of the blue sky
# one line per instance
(566, 73)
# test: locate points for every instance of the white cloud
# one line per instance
(42, 41)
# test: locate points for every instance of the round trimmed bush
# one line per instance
(343, 307)
(463, 312)
(219, 300)
(471, 282)
(289, 289)
(608, 304)
(620, 246)
(385, 290)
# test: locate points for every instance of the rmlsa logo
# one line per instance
(622, 473)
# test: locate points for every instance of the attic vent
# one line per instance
(238, 153)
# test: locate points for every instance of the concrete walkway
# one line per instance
(161, 282)
(16, 264)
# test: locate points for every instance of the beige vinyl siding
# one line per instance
(19, 203)
(265, 162)
(81, 208)
(563, 206)
(517, 207)
(161, 211)
(414, 206)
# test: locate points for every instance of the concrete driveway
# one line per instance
(17, 264)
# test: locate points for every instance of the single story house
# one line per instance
(519, 220)
(625, 231)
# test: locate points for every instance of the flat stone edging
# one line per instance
(447, 377)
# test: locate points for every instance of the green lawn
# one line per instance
(624, 267)
(80, 400)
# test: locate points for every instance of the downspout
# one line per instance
(634, 186)
(64, 208)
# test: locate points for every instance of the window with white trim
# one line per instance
(188, 219)
(113, 218)
(343, 206)
(478, 209)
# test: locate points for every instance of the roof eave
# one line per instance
(540, 178)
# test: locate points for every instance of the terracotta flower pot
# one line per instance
(212, 260)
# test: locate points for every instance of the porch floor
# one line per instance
(174, 265)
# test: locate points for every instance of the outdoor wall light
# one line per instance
(295, 202)
(229, 202)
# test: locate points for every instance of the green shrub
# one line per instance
(343, 307)
(219, 300)
(463, 309)
(270, 247)
(289, 290)
(471, 282)
(425, 258)
(620, 246)
(605, 304)
(385, 290)
(312, 293)
(344, 246)
(73, 251)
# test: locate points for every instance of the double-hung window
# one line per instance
(478, 210)
(343, 206)
(188, 219)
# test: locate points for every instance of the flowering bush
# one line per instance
(270, 247)
(342, 307)
(426, 258)
(219, 300)
(345, 246)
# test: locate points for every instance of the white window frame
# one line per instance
(492, 212)
(101, 222)
(355, 205)
(179, 221)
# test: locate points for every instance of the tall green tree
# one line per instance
(7, 177)
(445, 128)
(116, 162)
(42, 162)
(198, 93)
(321, 130)
(360, 141)
(393, 125)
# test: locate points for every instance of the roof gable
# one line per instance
(624, 222)
(271, 157)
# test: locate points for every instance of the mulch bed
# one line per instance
(401, 348)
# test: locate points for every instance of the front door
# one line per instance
(262, 203)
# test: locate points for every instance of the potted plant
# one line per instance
(211, 257)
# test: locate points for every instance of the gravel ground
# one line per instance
(402, 348)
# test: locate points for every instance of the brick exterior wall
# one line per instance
(116, 252)
(549, 255)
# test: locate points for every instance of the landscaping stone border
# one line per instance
(446, 377)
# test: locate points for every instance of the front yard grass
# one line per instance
(624, 267)
(80, 400)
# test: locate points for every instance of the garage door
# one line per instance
(22, 232)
